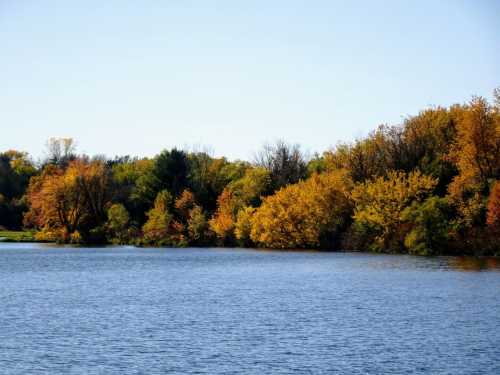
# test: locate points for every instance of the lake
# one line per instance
(119, 310)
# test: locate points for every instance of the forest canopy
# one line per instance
(430, 185)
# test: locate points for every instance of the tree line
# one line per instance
(429, 185)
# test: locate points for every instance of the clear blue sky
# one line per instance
(134, 77)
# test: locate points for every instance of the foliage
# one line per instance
(246, 191)
(184, 204)
(429, 227)
(171, 169)
(191, 221)
(428, 185)
(118, 223)
(156, 228)
(380, 204)
(222, 223)
(209, 176)
(476, 153)
(493, 216)
(243, 225)
(63, 202)
(16, 169)
(307, 214)
(197, 226)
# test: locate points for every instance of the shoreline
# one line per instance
(27, 237)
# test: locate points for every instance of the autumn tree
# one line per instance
(379, 207)
(246, 191)
(197, 226)
(222, 223)
(93, 179)
(477, 149)
(476, 154)
(493, 216)
(428, 137)
(243, 225)
(383, 150)
(156, 228)
(67, 204)
(184, 204)
(310, 213)
(426, 185)
(249, 189)
(57, 205)
(190, 220)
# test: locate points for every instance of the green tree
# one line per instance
(171, 170)
(16, 169)
(117, 224)
(429, 226)
(209, 176)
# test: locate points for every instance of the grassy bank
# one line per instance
(16, 236)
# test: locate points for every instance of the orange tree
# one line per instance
(243, 192)
(66, 204)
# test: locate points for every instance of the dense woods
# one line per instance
(430, 185)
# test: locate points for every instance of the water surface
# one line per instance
(232, 311)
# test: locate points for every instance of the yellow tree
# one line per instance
(477, 149)
(243, 225)
(156, 228)
(307, 214)
(222, 224)
(379, 205)
(476, 154)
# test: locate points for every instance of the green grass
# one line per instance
(16, 236)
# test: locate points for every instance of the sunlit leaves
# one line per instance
(301, 215)
(380, 204)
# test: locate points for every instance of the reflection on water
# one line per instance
(474, 264)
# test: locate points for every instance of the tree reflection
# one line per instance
(474, 264)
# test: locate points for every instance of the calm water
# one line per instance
(214, 311)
